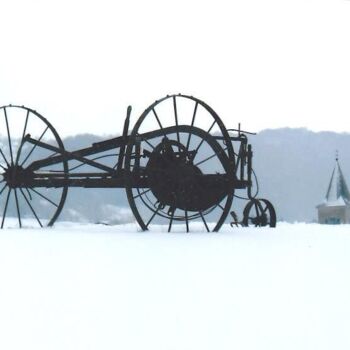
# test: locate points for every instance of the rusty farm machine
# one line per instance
(178, 165)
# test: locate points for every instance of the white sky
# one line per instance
(266, 64)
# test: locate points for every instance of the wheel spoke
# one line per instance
(158, 120)
(141, 193)
(208, 158)
(192, 123)
(5, 209)
(154, 214)
(43, 196)
(30, 196)
(186, 217)
(171, 220)
(31, 208)
(23, 134)
(3, 156)
(2, 190)
(148, 143)
(176, 120)
(205, 223)
(33, 148)
(265, 210)
(18, 211)
(8, 135)
(256, 209)
(203, 139)
(221, 207)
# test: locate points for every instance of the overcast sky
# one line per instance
(264, 63)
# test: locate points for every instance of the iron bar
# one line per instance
(208, 158)
(204, 139)
(2, 153)
(68, 156)
(18, 211)
(125, 136)
(192, 123)
(205, 223)
(141, 193)
(171, 220)
(158, 120)
(176, 120)
(152, 217)
(8, 135)
(42, 196)
(35, 145)
(2, 190)
(31, 208)
(5, 209)
(22, 139)
(186, 217)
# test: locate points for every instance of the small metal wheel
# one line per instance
(24, 199)
(259, 212)
(179, 166)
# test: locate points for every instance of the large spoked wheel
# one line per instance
(179, 166)
(27, 195)
(259, 212)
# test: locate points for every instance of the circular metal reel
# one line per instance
(24, 202)
(258, 213)
(186, 170)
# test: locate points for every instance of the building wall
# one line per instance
(347, 215)
(334, 215)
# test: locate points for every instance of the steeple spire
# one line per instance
(337, 188)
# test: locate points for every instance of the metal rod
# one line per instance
(158, 120)
(8, 135)
(21, 143)
(2, 190)
(7, 163)
(5, 209)
(154, 214)
(204, 139)
(192, 123)
(249, 170)
(176, 121)
(125, 135)
(31, 208)
(205, 223)
(42, 196)
(206, 159)
(18, 211)
(140, 194)
(171, 220)
(69, 156)
(186, 217)
(35, 144)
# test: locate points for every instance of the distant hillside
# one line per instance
(293, 168)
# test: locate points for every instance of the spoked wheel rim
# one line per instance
(23, 201)
(210, 156)
(259, 213)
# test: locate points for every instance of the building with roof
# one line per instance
(335, 209)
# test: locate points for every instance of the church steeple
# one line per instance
(337, 189)
(335, 209)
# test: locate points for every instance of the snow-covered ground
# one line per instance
(113, 287)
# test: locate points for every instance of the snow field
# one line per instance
(112, 287)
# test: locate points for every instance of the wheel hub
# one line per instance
(175, 181)
(16, 176)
